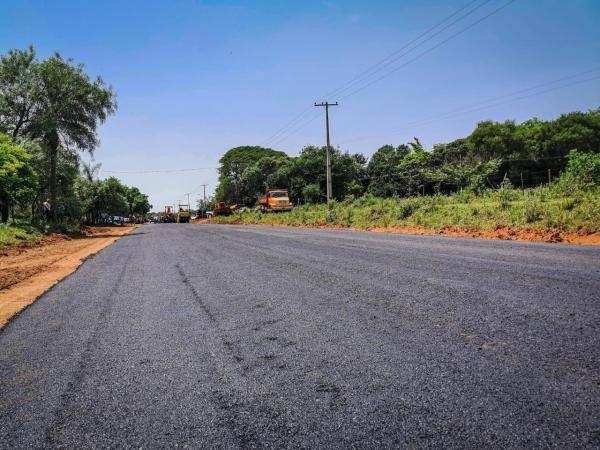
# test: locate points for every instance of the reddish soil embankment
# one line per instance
(29, 269)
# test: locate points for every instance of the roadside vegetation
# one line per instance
(528, 155)
(50, 111)
(538, 174)
(535, 208)
(18, 232)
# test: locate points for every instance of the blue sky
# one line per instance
(195, 78)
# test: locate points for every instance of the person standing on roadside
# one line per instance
(47, 210)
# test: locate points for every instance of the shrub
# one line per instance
(582, 172)
(568, 204)
(331, 216)
(407, 208)
(505, 192)
(531, 210)
(348, 216)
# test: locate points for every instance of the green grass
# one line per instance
(539, 207)
(18, 232)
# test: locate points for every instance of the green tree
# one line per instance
(309, 168)
(382, 170)
(53, 100)
(233, 164)
(267, 172)
(111, 197)
(136, 201)
(312, 193)
(18, 181)
(582, 171)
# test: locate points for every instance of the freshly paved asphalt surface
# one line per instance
(240, 337)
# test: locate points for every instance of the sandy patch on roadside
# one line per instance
(29, 269)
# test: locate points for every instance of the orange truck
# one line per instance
(222, 209)
(275, 200)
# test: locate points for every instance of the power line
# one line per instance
(297, 122)
(529, 95)
(285, 128)
(296, 129)
(429, 50)
(160, 170)
(496, 101)
(395, 56)
(297, 125)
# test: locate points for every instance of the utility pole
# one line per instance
(327, 105)
(203, 210)
(204, 190)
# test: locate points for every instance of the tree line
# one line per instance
(50, 111)
(525, 154)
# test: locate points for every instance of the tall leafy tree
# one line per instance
(111, 197)
(234, 164)
(136, 201)
(309, 169)
(18, 90)
(55, 101)
(382, 170)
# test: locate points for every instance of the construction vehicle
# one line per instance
(221, 209)
(275, 200)
(183, 216)
(167, 216)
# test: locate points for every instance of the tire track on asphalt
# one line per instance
(195, 294)
(68, 395)
(229, 398)
(329, 388)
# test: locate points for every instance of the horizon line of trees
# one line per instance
(524, 153)
(81, 195)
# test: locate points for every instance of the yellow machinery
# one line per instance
(183, 216)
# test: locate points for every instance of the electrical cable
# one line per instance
(285, 135)
(490, 103)
(391, 58)
(160, 170)
(429, 50)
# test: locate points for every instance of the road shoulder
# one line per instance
(26, 273)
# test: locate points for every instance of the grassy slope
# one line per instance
(538, 207)
(15, 233)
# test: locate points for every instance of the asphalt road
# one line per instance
(240, 337)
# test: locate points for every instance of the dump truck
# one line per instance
(167, 216)
(275, 200)
(221, 209)
(183, 216)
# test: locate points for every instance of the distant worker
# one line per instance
(47, 210)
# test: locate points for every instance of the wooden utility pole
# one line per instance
(327, 105)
